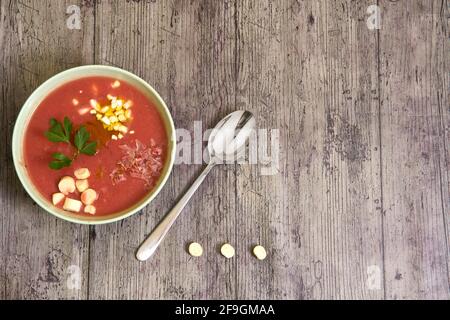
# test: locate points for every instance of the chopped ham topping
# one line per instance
(140, 162)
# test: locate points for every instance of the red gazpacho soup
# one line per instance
(95, 146)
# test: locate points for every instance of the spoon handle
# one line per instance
(149, 246)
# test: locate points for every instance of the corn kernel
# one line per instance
(123, 129)
(83, 110)
(114, 115)
(106, 121)
(104, 109)
(94, 104)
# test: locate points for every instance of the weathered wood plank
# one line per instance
(310, 70)
(186, 51)
(414, 127)
(38, 252)
(444, 109)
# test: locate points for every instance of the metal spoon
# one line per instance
(227, 140)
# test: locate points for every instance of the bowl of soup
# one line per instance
(94, 144)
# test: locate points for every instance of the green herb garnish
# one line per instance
(60, 161)
(57, 133)
(62, 133)
(82, 144)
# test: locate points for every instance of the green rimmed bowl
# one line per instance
(60, 79)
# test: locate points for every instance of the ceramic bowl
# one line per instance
(51, 84)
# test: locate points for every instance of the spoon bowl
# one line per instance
(230, 135)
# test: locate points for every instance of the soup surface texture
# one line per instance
(123, 170)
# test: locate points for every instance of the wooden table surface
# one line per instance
(359, 206)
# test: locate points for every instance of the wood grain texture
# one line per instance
(310, 69)
(444, 109)
(414, 101)
(358, 207)
(37, 250)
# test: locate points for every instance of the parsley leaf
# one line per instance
(62, 133)
(67, 127)
(56, 132)
(89, 148)
(81, 142)
(81, 137)
(60, 161)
